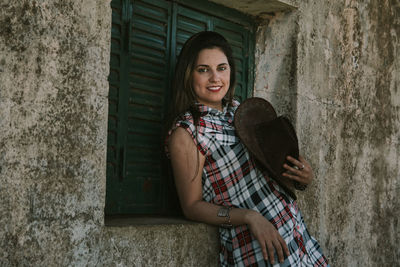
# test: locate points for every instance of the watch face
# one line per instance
(223, 212)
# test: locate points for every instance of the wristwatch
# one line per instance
(224, 212)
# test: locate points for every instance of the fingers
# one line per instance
(277, 245)
(284, 246)
(279, 251)
(264, 251)
(294, 173)
(301, 171)
(293, 170)
(270, 255)
(269, 239)
(281, 248)
(301, 164)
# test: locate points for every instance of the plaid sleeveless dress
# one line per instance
(230, 178)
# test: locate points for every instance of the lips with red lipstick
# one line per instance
(214, 88)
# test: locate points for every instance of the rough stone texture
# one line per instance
(53, 108)
(54, 64)
(162, 245)
(334, 67)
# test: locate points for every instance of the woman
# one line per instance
(216, 180)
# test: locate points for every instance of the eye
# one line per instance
(202, 69)
(222, 68)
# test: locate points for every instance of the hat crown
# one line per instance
(268, 138)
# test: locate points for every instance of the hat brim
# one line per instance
(268, 138)
(252, 112)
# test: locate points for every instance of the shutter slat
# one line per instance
(149, 25)
(146, 98)
(154, 56)
(190, 25)
(144, 141)
(152, 9)
(151, 40)
(142, 68)
(147, 84)
(143, 112)
(139, 156)
(143, 126)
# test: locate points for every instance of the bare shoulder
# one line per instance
(180, 139)
(184, 151)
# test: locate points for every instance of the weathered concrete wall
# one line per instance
(54, 58)
(159, 245)
(335, 67)
(53, 105)
(330, 65)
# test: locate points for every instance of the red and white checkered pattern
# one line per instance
(230, 178)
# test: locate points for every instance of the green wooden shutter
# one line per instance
(189, 22)
(238, 38)
(148, 82)
(146, 37)
(115, 90)
(135, 184)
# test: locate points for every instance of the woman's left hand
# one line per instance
(300, 172)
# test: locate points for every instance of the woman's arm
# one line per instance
(184, 156)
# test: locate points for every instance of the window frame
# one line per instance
(209, 9)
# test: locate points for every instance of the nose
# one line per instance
(214, 76)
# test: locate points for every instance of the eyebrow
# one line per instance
(204, 65)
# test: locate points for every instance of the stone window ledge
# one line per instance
(123, 221)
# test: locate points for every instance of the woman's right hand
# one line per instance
(268, 236)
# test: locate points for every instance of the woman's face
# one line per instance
(211, 77)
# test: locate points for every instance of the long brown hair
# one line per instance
(183, 95)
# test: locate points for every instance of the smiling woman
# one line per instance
(216, 179)
(211, 77)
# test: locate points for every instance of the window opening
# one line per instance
(146, 37)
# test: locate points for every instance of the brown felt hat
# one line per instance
(269, 138)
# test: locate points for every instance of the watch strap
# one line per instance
(224, 212)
